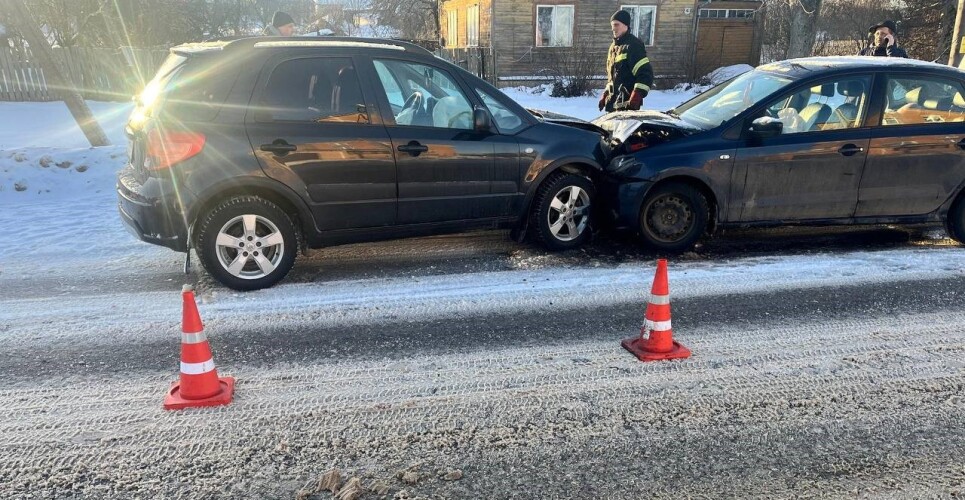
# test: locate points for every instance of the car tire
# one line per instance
(956, 220)
(673, 217)
(265, 236)
(562, 211)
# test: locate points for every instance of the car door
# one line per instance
(445, 168)
(917, 156)
(311, 128)
(812, 168)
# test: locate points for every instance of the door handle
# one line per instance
(279, 146)
(850, 150)
(414, 148)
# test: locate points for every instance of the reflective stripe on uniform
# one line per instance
(640, 63)
(193, 338)
(658, 326)
(641, 86)
(197, 368)
(620, 57)
(659, 300)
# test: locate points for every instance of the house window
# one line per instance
(472, 26)
(554, 26)
(727, 13)
(642, 24)
(453, 29)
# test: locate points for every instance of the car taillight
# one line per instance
(165, 148)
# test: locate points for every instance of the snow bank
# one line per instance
(585, 107)
(49, 124)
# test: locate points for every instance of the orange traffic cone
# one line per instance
(659, 344)
(199, 385)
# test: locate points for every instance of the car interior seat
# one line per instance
(816, 114)
(346, 93)
(845, 115)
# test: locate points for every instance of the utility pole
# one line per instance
(24, 23)
(957, 56)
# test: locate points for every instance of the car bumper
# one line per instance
(622, 201)
(147, 214)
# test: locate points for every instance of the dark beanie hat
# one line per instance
(622, 16)
(885, 24)
(280, 19)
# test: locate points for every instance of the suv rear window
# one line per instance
(186, 88)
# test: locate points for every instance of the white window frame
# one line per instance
(555, 7)
(453, 28)
(725, 13)
(635, 29)
(472, 26)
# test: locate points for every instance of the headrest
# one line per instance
(851, 88)
(959, 101)
(826, 90)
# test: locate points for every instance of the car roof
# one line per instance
(278, 42)
(805, 67)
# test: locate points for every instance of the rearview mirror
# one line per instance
(482, 121)
(766, 126)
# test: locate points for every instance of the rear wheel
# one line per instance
(673, 217)
(956, 220)
(562, 210)
(247, 243)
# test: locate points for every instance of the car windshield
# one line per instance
(729, 99)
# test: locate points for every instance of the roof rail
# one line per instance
(189, 49)
(327, 43)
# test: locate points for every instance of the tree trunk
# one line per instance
(804, 21)
(24, 23)
(957, 56)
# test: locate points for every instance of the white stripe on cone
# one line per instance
(659, 300)
(657, 326)
(197, 368)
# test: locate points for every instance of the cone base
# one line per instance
(174, 401)
(636, 346)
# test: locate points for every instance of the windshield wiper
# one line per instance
(672, 112)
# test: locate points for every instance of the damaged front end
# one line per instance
(632, 131)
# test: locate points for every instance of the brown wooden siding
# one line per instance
(461, 7)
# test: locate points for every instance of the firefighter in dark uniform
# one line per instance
(628, 69)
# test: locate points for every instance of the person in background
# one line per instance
(883, 41)
(281, 25)
(629, 74)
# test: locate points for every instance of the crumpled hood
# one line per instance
(570, 121)
(621, 124)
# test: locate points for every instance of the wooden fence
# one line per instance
(100, 74)
(480, 61)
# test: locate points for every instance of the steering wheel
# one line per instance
(414, 102)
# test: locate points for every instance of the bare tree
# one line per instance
(20, 19)
(804, 27)
(414, 19)
(573, 68)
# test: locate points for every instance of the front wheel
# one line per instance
(562, 210)
(673, 217)
(247, 243)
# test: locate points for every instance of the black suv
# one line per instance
(248, 150)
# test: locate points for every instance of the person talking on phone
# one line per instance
(883, 43)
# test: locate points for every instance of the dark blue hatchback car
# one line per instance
(847, 140)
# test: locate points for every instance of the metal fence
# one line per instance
(99, 74)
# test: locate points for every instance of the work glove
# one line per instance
(603, 99)
(636, 100)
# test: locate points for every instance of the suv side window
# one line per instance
(423, 96)
(318, 90)
(506, 120)
(917, 100)
(831, 105)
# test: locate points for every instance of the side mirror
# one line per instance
(766, 126)
(482, 121)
